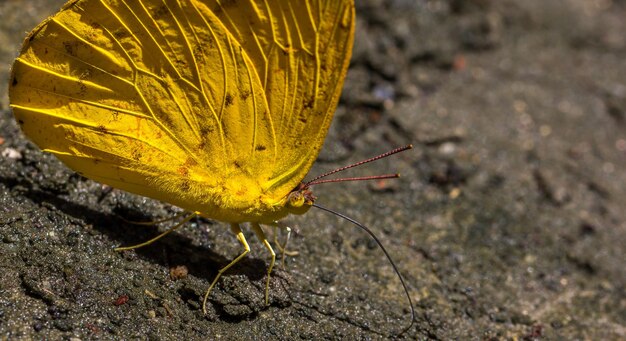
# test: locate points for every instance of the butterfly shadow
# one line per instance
(172, 250)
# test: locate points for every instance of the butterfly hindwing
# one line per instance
(203, 104)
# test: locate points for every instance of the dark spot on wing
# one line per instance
(120, 34)
(70, 47)
(228, 101)
(190, 162)
(287, 49)
(184, 185)
(206, 131)
(183, 171)
(136, 155)
(160, 12)
(198, 53)
(309, 103)
(260, 148)
(86, 74)
(180, 64)
(82, 90)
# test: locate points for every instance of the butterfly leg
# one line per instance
(283, 247)
(261, 236)
(168, 231)
(242, 239)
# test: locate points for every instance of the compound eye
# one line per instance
(296, 199)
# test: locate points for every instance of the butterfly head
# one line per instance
(300, 199)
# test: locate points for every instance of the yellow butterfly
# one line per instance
(218, 107)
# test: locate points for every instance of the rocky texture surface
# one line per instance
(508, 222)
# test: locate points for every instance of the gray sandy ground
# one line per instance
(509, 221)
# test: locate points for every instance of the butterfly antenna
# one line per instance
(395, 268)
(360, 178)
(384, 155)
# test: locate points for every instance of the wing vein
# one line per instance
(172, 136)
(69, 56)
(223, 63)
(151, 35)
(96, 129)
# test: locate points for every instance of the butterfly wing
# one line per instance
(190, 102)
(301, 51)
